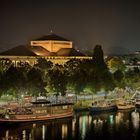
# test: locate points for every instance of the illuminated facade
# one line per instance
(51, 47)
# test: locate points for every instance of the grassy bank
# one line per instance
(83, 104)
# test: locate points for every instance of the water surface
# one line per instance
(83, 126)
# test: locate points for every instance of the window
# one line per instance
(65, 107)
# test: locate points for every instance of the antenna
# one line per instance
(51, 30)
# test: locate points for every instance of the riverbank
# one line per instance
(82, 105)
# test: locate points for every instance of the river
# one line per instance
(83, 126)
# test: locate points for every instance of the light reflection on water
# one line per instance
(84, 124)
(64, 131)
(43, 132)
(135, 120)
(118, 125)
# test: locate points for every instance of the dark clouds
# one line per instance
(113, 24)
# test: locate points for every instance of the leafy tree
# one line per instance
(101, 77)
(119, 78)
(132, 78)
(79, 81)
(89, 78)
(72, 65)
(115, 64)
(35, 83)
(14, 79)
(5, 64)
(76, 75)
(43, 64)
(98, 57)
(57, 79)
(24, 66)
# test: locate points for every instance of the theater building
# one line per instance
(51, 47)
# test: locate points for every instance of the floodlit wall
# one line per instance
(33, 59)
(52, 46)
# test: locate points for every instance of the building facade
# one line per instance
(51, 47)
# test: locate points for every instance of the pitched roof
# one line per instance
(69, 52)
(39, 51)
(51, 37)
(64, 52)
(19, 51)
(76, 53)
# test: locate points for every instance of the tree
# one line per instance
(101, 77)
(43, 64)
(15, 80)
(132, 78)
(24, 66)
(76, 75)
(57, 79)
(35, 83)
(98, 57)
(5, 64)
(115, 64)
(119, 78)
(72, 65)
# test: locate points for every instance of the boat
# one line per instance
(125, 105)
(137, 103)
(37, 111)
(103, 106)
(136, 98)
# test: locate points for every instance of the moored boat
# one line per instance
(104, 106)
(37, 111)
(125, 105)
(137, 103)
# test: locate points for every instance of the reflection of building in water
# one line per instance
(31, 135)
(101, 119)
(64, 131)
(122, 118)
(24, 135)
(16, 134)
(84, 124)
(73, 127)
(56, 129)
(38, 132)
(111, 119)
(135, 119)
(43, 132)
(98, 123)
(119, 117)
(7, 135)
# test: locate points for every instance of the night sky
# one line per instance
(113, 24)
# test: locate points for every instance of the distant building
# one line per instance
(131, 60)
(51, 47)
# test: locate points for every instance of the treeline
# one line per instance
(77, 76)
